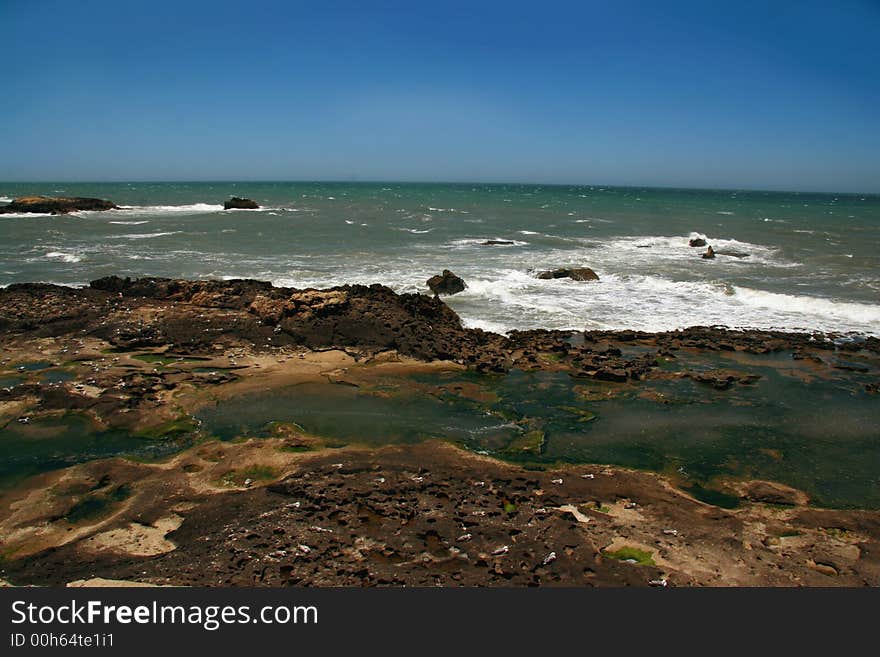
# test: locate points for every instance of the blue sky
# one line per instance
(770, 95)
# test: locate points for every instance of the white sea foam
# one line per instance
(25, 215)
(448, 210)
(675, 249)
(130, 223)
(192, 208)
(144, 236)
(513, 300)
(486, 325)
(834, 312)
(5, 199)
(64, 257)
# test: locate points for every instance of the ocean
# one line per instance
(797, 261)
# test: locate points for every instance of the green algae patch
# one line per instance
(97, 505)
(180, 426)
(632, 555)
(249, 475)
(583, 415)
(531, 442)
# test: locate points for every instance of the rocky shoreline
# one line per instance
(142, 354)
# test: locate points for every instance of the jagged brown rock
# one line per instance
(56, 205)
(446, 283)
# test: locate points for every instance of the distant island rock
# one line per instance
(56, 205)
(446, 283)
(236, 203)
(574, 273)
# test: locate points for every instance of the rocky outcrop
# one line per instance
(498, 243)
(709, 254)
(722, 379)
(697, 241)
(446, 283)
(56, 205)
(195, 317)
(574, 273)
(237, 203)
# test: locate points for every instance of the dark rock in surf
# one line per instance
(498, 243)
(731, 253)
(575, 274)
(697, 241)
(709, 254)
(446, 283)
(56, 205)
(236, 203)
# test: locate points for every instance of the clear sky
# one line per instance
(770, 95)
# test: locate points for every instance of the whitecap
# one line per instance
(833, 313)
(64, 257)
(25, 215)
(144, 236)
(130, 223)
(448, 210)
(192, 208)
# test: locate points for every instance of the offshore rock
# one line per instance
(236, 203)
(56, 205)
(575, 274)
(697, 241)
(446, 283)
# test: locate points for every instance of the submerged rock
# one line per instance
(769, 492)
(575, 274)
(56, 205)
(697, 241)
(731, 253)
(709, 254)
(723, 379)
(236, 203)
(497, 242)
(446, 283)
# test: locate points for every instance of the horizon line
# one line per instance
(438, 182)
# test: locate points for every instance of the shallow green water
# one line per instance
(818, 434)
(821, 437)
(47, 444)
(56, 376)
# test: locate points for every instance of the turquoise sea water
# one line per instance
(808, 261)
